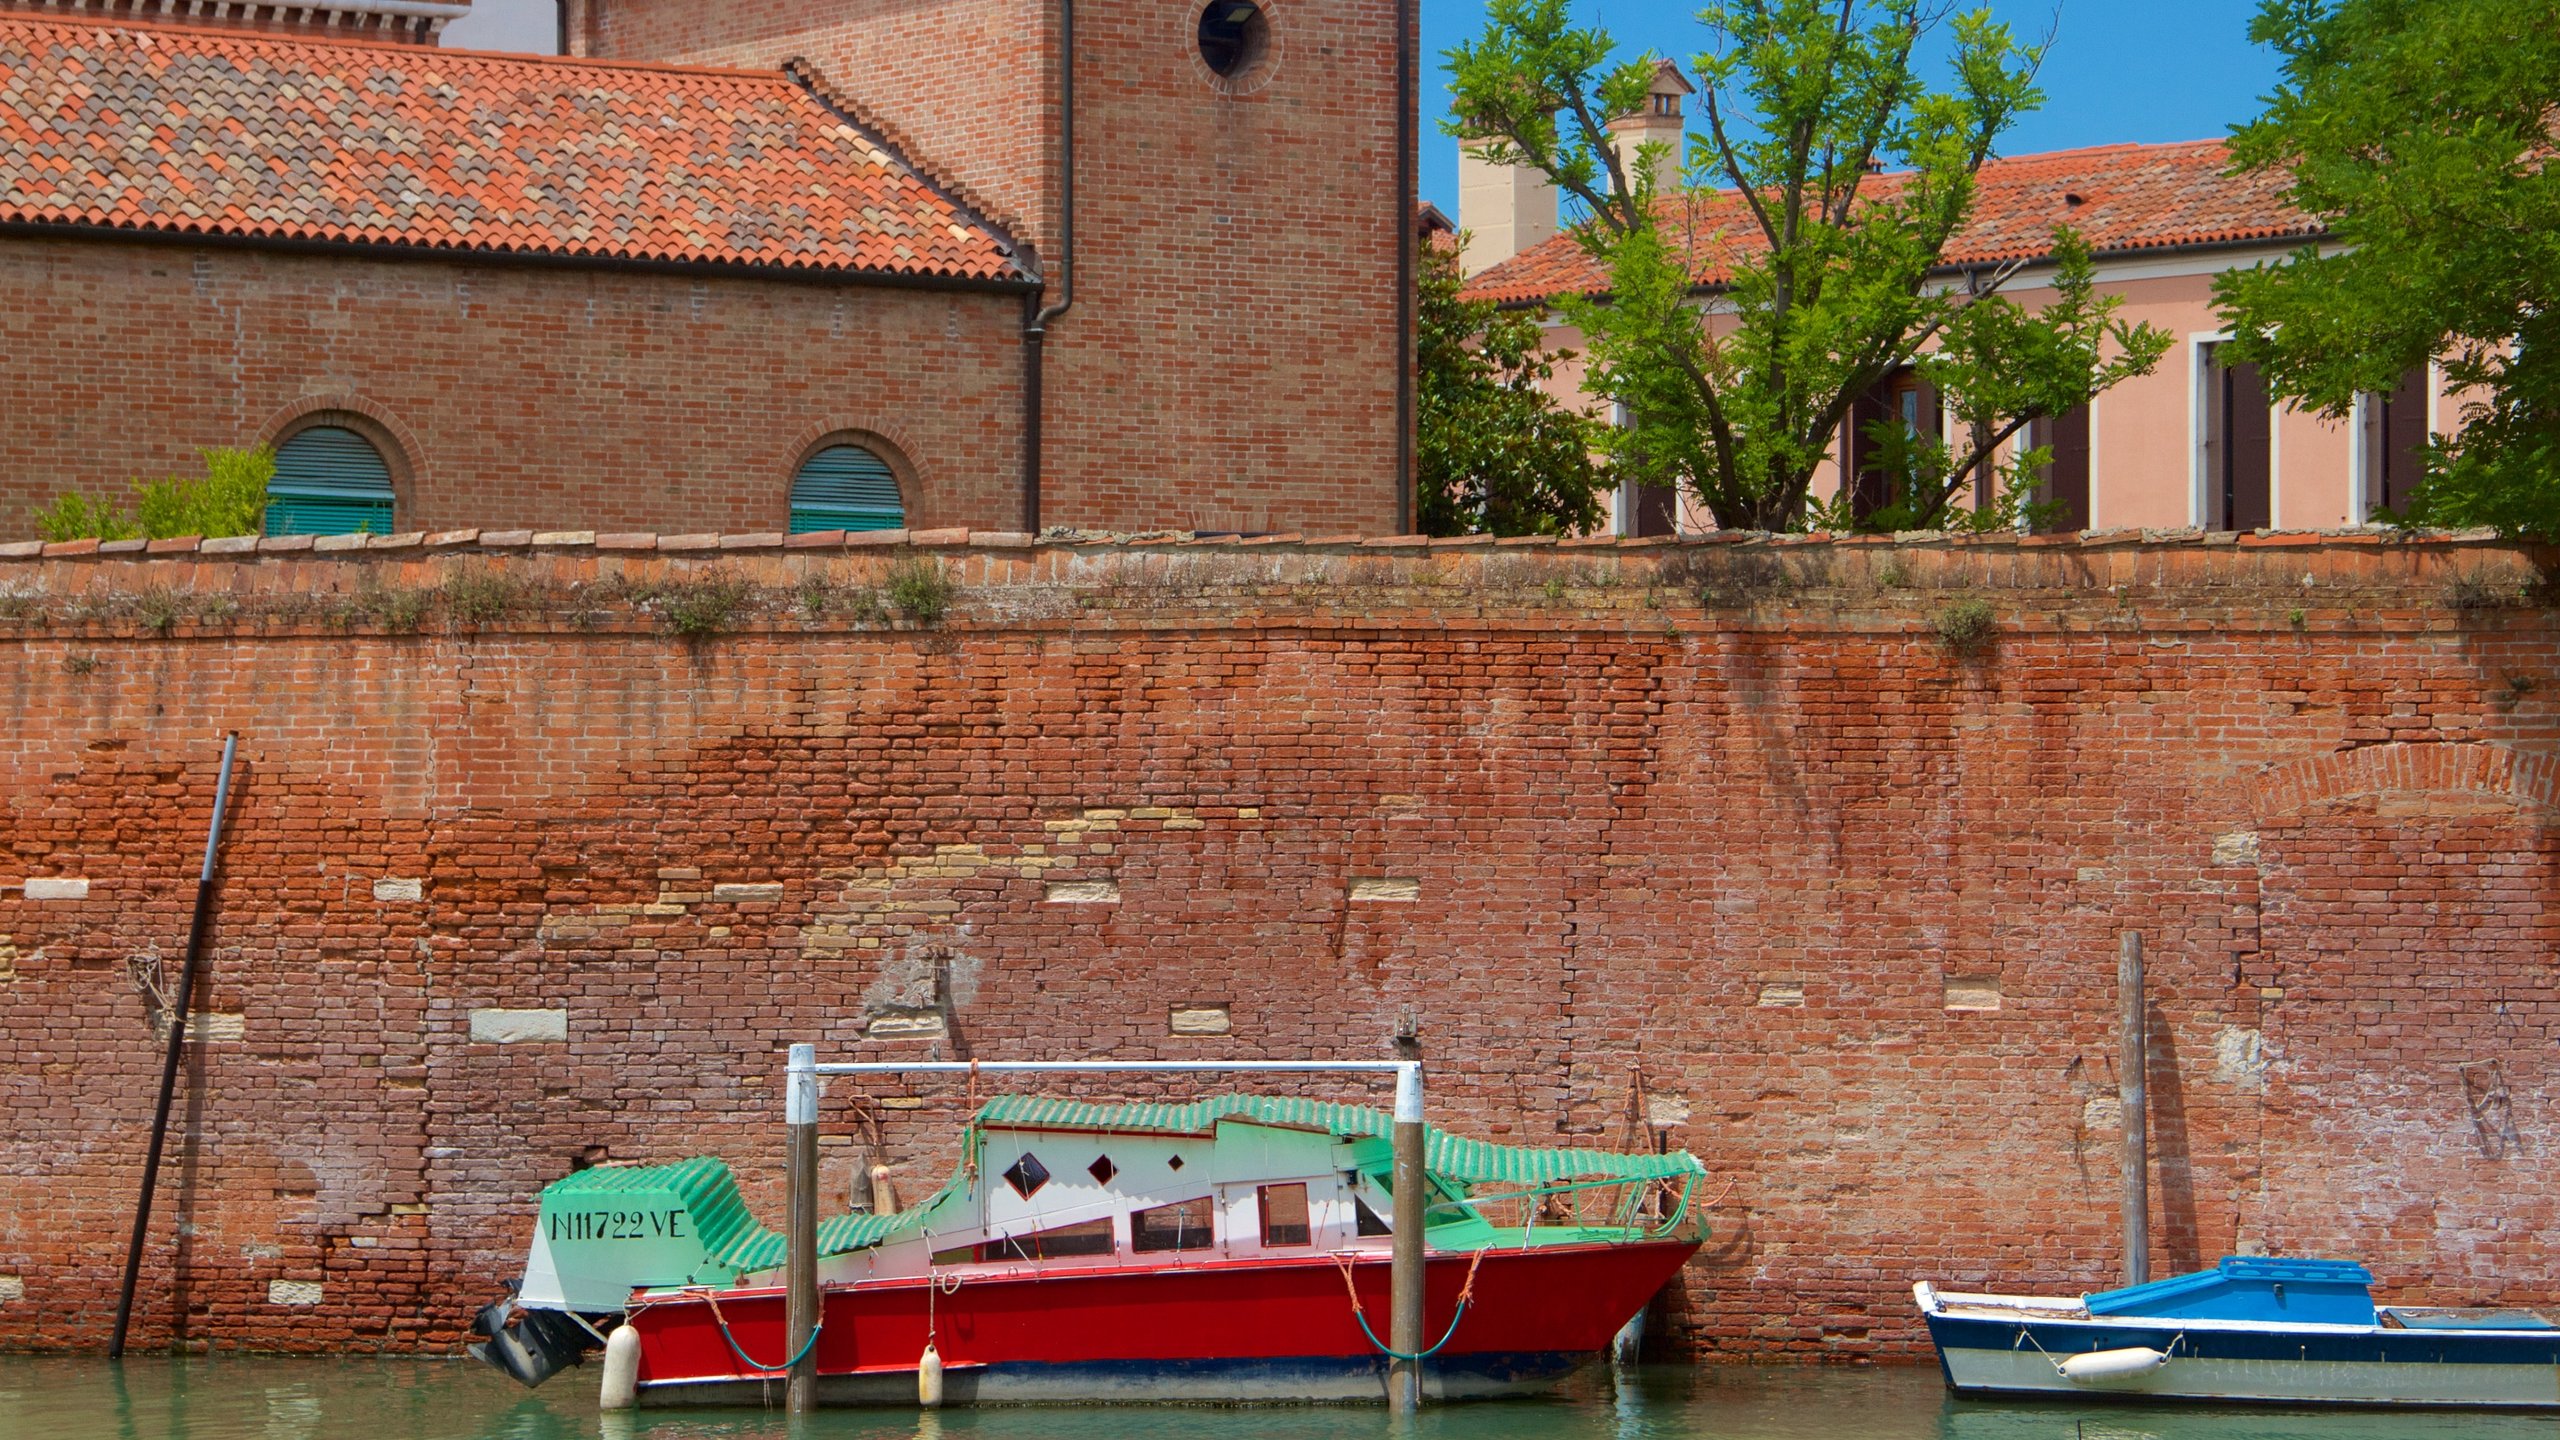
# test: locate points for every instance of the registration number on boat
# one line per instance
(618, 1225)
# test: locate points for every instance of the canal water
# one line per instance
(252, 1398)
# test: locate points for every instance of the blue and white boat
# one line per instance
(2252, 1329)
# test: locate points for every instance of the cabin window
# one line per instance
(1367, 1221)
(1093, 1237)
(1027, 1176)
(1183, 1225)
(1284, 1215)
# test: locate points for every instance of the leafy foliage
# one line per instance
(1832, 270)
(1495, 453)
(229, 498)
(2423, 133)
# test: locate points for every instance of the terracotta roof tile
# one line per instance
(2123, 198)
(268, 137)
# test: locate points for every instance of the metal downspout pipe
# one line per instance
(1035, 327)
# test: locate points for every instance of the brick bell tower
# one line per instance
(416, 22)
(1219, 193)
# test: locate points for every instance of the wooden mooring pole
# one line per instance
(2131, 1063)
(1404, 1266)
(179, 1005)
(800, 1240)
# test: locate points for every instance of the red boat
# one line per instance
(1234, 1249)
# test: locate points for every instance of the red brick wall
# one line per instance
(1231, 359)
(545, 398)
(1733, 818)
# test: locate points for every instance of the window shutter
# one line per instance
(845, 487)
(329, 481)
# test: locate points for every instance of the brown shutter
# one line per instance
(2066, 476)
(2240, 429)
(2404, 440)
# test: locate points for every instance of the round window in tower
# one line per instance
(1234, 35)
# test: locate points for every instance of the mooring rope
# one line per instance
(1466, 1294)
(748, 1360)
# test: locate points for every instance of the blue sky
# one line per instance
(2119, 69)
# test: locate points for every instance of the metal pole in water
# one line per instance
(2131, 1062)
(178, 1008)
(1404, 1329)
(800, 1256)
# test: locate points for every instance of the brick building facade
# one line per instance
(611, 293)
(1733, 821)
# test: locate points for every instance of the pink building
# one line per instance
(2194, 443)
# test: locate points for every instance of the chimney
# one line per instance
(1505, 209)
(1660, 120)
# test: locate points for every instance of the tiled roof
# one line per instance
(154, 128)
(2123, 198)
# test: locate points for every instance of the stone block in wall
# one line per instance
(516, 1027)
(12, 1289)
(295, 1292)
(1082, 892)
(56, 887)
(1386, 888)
(400, 890)
(1202, 1020)
(1972, 992)
(745, 891)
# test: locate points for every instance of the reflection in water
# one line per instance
(247, 1398)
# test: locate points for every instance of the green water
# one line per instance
(247, 1398)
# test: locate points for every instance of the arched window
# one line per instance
(329, 481)
(845, 487)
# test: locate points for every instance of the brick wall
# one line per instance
(1734, 819)
(1231, 359)
(511, 396)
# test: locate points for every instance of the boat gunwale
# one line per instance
(1331, 1259)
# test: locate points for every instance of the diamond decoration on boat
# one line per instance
(1102, 1170)
(1175, 1163)
(1027, 1175)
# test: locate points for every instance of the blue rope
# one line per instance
(1450, 1335)
(753, 1364)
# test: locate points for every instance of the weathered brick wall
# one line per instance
(511, 396)
(1732, 818)
(1230, 362)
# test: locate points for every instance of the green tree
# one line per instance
(2423, 133)
(229, 498)
(1835, 273)
(1495, 453)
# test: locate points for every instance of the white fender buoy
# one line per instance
(621, 1370)
(929, 1378)
(2113, 1364)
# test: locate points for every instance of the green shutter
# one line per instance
(329, 481)
(845, 487)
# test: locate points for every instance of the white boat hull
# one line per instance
(2288, 1382)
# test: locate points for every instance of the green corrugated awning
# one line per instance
(329, 481)
(1473, 1162)
(845, 487)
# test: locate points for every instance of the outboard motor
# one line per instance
(531, 1345)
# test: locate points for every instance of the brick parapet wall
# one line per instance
(518, 875)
